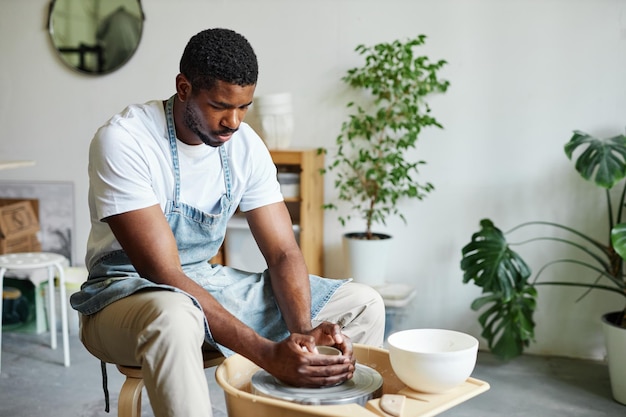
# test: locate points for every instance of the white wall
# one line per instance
(523, 75)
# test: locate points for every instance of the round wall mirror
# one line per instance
(95, 36)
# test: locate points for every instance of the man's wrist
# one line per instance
(303, 328)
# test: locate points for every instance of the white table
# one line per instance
(50, 261)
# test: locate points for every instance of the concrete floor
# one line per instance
(34, 383)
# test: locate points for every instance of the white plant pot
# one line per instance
(367, 259)
(615, 339)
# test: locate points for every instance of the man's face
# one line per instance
(214, 115)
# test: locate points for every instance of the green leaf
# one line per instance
(618, 239)
(602, 161)
(491, 264)
(508, 325)
(509, 300)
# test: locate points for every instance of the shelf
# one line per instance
(306, 210)
(15, 164)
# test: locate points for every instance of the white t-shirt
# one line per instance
(130, 167)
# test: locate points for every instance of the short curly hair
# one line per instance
(219, 54)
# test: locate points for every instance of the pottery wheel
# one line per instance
(364, 385)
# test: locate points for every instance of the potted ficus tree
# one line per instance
(509, 290)
(371, 166)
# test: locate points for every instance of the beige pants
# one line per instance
(163, 332)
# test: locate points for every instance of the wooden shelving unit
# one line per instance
(306, 210)
(307, 213)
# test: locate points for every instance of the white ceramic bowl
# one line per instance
(432, 360)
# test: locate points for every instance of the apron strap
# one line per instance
(105, 388)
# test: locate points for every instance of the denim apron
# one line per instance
(199, 235)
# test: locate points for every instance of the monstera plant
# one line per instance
(509, 289)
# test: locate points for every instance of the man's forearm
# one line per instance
(290, 283)
(226, 329)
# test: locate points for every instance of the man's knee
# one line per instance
(359, 310)
(369, 298)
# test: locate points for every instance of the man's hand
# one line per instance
(294, 361)
(329, 334)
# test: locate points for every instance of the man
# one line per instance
(165, 177)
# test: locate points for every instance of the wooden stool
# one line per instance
(129, 402)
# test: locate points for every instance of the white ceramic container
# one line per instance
(277, 121)
(432, 360)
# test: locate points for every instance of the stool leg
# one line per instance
(129, 402)
(2, 271)
(64, 320)
(52, 320)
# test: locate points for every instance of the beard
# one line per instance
(193, 124)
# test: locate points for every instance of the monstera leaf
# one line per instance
(508, 299)
(491, 264)
(508, 325)
(602, 161)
